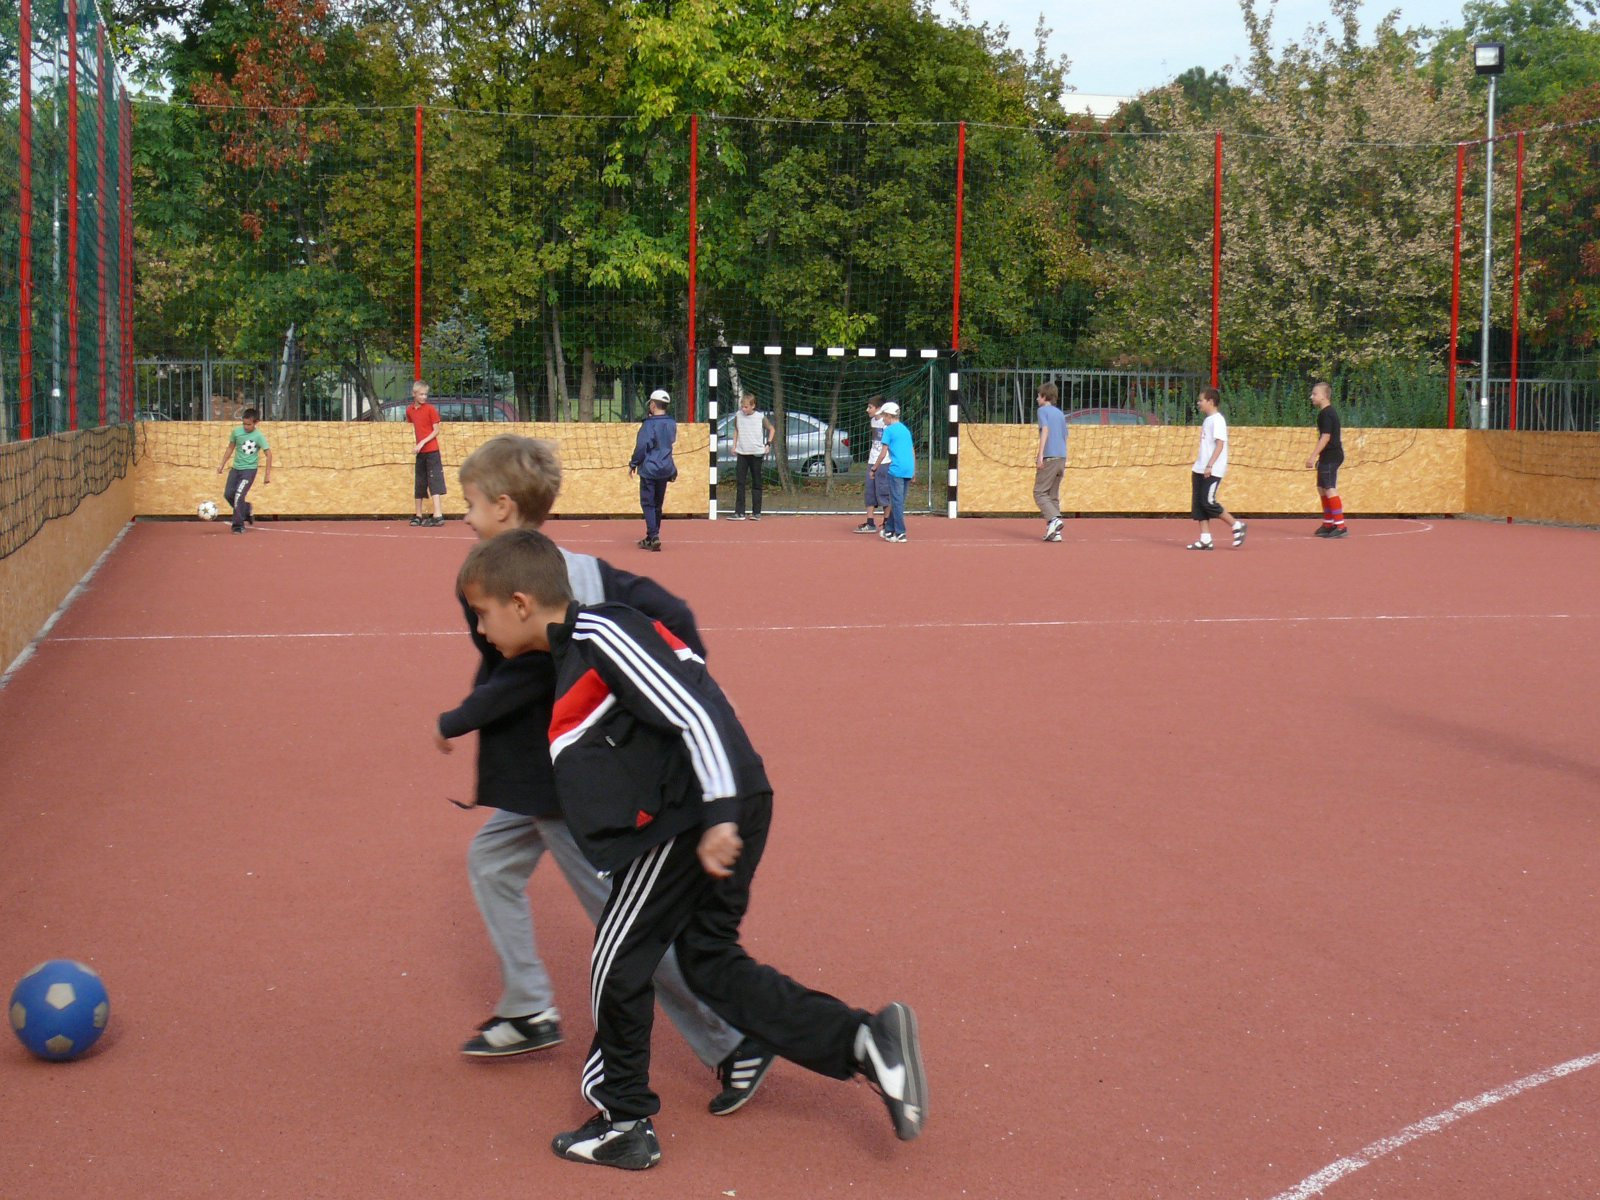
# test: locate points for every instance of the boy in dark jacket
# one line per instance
(661, 788)
(509, 482)
(652, 462)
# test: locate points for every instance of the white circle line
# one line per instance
(1315, 1185)
(874, 627)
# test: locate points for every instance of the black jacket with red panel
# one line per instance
(645, 745)
(510, 701)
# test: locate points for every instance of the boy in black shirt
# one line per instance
(661, 788)
(1326, 458)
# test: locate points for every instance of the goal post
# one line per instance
(816, 398)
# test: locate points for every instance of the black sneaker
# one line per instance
(415, 521)
(501, 1036)
(655, 544)
(1339, 531)
(735, 516)
(433, 522)
(602, 1143)
(740, 1074)
(865, 527)
(891, 1059)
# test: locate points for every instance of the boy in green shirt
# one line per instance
(246, 445)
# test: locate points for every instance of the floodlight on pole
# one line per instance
(1488, 58)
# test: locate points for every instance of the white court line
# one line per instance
(1315, 1185)
(66, 603)
(590, 538)
(873, 627)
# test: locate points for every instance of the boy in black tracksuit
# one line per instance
(509, 482)
(661, 787)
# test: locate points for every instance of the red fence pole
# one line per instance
(1216, 265)
(961, 203)
(100, 209)
(416, 259)
(72, 214)
(25, 223)
(1455, 285)
(1516, 281)
(125, 129)
(694, 249)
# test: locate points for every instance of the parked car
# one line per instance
(807, 442)
(1111, 416)
(452, 408)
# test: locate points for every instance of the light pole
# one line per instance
(1488, 58)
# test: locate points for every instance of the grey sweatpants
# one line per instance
(500, 862)
(1047, 487)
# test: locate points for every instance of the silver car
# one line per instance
(807, 440)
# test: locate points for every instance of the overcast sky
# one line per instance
(1129, 47)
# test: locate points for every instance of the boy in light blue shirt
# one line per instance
(902, 466)
(1051, 463)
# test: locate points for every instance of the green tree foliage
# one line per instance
(1337, 212)
(278, 190)
(1552, 48)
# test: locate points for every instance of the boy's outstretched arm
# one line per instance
(515, 683)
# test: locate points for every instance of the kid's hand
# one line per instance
(1311, 462)
(440, 742)
(719, 849)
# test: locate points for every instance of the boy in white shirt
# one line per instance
(877, 497)
(752, 438)
(1209, 468)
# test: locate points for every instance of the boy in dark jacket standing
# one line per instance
(652, 462)
(662, 789)
(510, 482)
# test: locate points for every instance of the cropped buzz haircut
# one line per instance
(528, 470)
(519, 560)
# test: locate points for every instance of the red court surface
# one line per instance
(1250, 875)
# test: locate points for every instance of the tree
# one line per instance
(1549, 52)
(1337, 213)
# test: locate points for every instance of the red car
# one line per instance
(1111, 416)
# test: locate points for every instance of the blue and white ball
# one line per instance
(59, 1009)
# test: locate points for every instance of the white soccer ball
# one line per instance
(207, 510)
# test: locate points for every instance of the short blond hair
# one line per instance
(418, 388)
(525, 469)
(518, 560)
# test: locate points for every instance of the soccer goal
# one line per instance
(816, 398)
